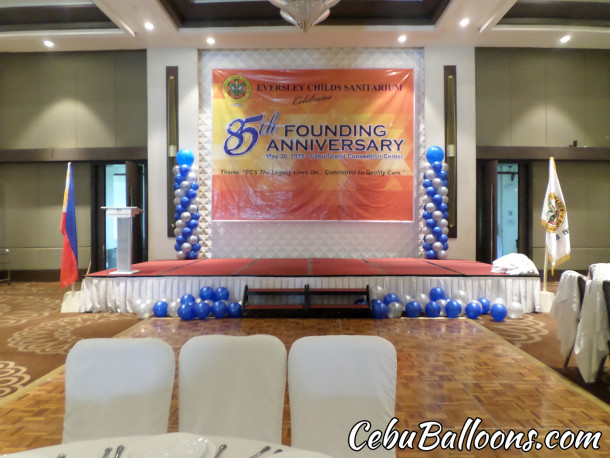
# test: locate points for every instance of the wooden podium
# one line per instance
(124, 216)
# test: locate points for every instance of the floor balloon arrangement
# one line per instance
(436, 214)
(187, 216)
(210, 303)
(438, 304)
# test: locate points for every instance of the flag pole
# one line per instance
(546, 261)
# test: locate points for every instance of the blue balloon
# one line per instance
(445, 183)
(485, 305)
(437, 166)
(178, 179)
(206, 293)
(413, 309)
(187, 311)
(186, 232)
(234, 310)
(443, 238)
(442, 174)
(437, 232)
(425, 246)
(160, 309)
(176, 186)
(430, 191)
(180, 240)
(195, 216)
(192, 224)
(191, 194)
(187, 298)
(473, 310)
(436, 294)
(445, 246)
(437, 199)
(434, 154)
(191, 255)
(426, 183)
(426, 215)
(176, 216)
(185, 157)
(194, 186)
(185, 202)
(219, 309)
(221, 294)
(379, 310)
(453, 309)
(443, 207)
(446, 215)
(196, 247)
(185, 169)
(376, 301)
(431, 223)
(389, 298)
(498, 312)
(431, 254)
(180, 209)
(203, 310)
(178, 247)
(361, 301)
(433, 310)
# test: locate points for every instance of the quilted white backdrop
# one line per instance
(303, 239)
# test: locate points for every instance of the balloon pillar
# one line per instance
(187, 212)
(435, 214)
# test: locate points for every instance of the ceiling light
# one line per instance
(565, 39)
(149, 26)
(304, 13)
(48, 43)
(464, 22)
(210, 40)
(402, 38)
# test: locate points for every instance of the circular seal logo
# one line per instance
(556, 212)
(236, 88)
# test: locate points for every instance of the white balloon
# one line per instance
(445, 230)
(172, 309)
(181, 255)
(443, 223)
(462, 304)
(428, 198)
(445, 166)
(443, 191)
(176, 170)
(191, 177)
(192, 208)
(185, 216)
(178, 193)
(376, 292)
(443, 304)
(423, 299)
(426, 165)
(498, 300)
(445, 199)
(514, 310)
(437, 246)
(430, 174)
(437, 215)
(430, 207)
(176, 200)
(185, 247)
(461, 295)
(180, 224)
(193, 239)
(442, 254)
(185, 186)
(430, 238)
(406, 298)
(395, 309)
(437, 183)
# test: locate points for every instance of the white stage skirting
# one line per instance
(118, 294)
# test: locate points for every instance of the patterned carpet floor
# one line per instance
(35, 337)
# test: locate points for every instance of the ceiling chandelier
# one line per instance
(304, 13)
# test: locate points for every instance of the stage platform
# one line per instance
(170, 279)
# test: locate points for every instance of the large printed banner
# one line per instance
(313, 144)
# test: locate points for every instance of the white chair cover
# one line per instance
(118, 387)
(232, 386)
(566, 309)
(335, 382)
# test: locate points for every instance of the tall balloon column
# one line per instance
(435, 215)
(187, 212)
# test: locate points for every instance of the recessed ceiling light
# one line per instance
(402, 38)
(464, 22)
(210, 40)
(149, 26)
(48, 43)
(565, 39)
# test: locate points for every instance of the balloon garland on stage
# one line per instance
(435, 214)
(187, 215)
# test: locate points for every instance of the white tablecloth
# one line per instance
(178, 445)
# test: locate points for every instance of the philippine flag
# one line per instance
(69, 259)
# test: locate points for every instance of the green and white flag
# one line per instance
(555, 219)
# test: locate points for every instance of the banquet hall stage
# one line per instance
(169, 279)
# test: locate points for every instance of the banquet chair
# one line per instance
(606, 295)
(334, 383)
(232, 386)
(582, 283)
(118, 387)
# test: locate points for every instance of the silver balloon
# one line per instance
(185, 216)
(185, 186)
(176, 200)
(498, 300)
(185, 247)
(191, 177)
(406, 298)
(462, 304)
(430, 238)
(442, 254)
(437, 183)
(445, 199)
(443, 190)
(437, 215)
(461, 295)
(172, 309)
(437, 246)
(426, 165)
(177, 231)
(376, 292)
(443, 223)
(430, 174)
(428, 198)
(445, 230)
(430, 207)
(445, 166)
(180, 224)
(395, 310)
(193, 239)
(179, 193)
(195, 231)
(176, 170)
(181, 255)
(423, 299)
(443, 304)
(195, 169)
(192, 208)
